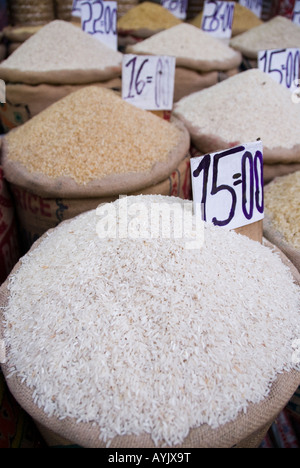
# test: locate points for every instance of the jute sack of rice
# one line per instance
(52, 63)
(31, 12)
(282, 215)
(9, 241)
(114, 148)
(199, 57)
(277, 33)
(243, 108)
(148, 334)
(142, 21)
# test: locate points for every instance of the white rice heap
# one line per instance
(264, 107)
(60, 45)
(185, 40)
(144, 335)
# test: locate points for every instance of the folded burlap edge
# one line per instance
(258, 417)
(114, 184)
(59, 77)
(277, 238)
(209, 143)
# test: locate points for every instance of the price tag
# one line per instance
(176, 7)
(217, 18)
(100, 19)
(296, 13)
(282, 65)
(148, 81)
(254, 5)
(228, 186)
(76, 8)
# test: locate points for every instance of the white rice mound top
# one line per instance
(277, 33)
(245, 107)
(185, 40)
(60, 45)
(145, 335)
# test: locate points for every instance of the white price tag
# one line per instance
(176, 7)
(148, 81)
(282, 65)
(217, 18)
(100, 19)
(228, 186)
(296, 13)
(76, 8)
(254, 5)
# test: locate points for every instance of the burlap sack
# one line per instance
(274, 236)
(9, 242)
(271, 171)
(25, 101)
(32, 12)
(189, 81)
(246, 431)
(36, 214)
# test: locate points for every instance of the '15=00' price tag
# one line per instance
(228, 186)
(282, 65)
(148, 81)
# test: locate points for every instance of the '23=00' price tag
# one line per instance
(228, 186)
(148, 81)
(217, 18)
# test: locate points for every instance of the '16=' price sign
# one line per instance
(254, 5)
(176, 7)
(228, 186)
(217, 18)
(148, 81)
(282, 65)
(99, 19)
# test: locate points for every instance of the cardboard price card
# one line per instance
(217, 18)
(176, 7)
(282, 65)
(100, 19)
(148, 81)
(254, 5)
(228, 186)
(296, 13)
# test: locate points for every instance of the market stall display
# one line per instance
(282, 215)
(31, 12)
(42, 70)
(241, 109)
(199, 56)
(114, 148)
(142, 342)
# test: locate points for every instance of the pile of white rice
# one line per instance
(264, 107)
(144, 334)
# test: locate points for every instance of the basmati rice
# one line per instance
(264, 107)
(143, 335)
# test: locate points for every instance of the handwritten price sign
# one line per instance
(176, 7)
(254, 5)
(76, 8)
(228, 185)
(217, 18)
(296, 13)
(148, 81)
(100, 19)
(282, 65)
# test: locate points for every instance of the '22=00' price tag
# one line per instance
(228, 186)
(148, 81)
(217, 18)
(99, 19)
